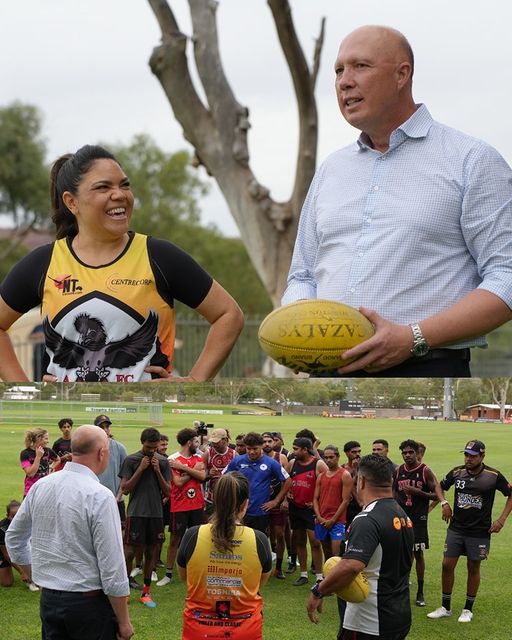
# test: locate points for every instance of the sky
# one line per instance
(84, 63)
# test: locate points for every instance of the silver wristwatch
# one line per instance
(419, 344)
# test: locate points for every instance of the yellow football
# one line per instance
(312, 335)
(356, 591)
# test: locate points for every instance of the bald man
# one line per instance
(67, 536)
(411, 223)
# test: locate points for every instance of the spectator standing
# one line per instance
(145, 476)
(187, 500)
(62, 446)
(470, 523)
(36, 459)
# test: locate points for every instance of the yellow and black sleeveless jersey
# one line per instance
(107, 323)
(222, 588)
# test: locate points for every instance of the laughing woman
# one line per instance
(106, 293)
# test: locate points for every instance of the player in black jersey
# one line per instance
(470, 523)
(62, 446)
(413, 487)
(380, 542)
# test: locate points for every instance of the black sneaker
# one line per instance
(420, 600)
(300, 581)
(134, 584)
(292, 567)
(279, 574)
(160, 564)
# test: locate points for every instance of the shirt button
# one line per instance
(376, 187)
(352, 290)
(360, 254)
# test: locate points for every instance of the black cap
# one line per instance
(474, 448)
(101, 419)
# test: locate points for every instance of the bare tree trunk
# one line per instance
(218, 130)
(499, 389)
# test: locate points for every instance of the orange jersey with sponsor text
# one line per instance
(222, 589)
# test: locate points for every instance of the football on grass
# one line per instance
(312, 335)
(356, 591)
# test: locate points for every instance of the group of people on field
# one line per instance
(274, 500)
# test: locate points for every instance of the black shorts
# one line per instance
(122, 512)
(359, 635)
(143, 531)
(420, 537)
(183, 520)
(260, 523)
(457, 544)
(301, 517)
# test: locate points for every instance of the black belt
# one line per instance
(444, 354)
(84, 594)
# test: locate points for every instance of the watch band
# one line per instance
(419, 344)
(316, 592)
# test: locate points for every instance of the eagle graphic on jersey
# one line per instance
(92, 354)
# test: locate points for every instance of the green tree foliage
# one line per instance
(166, 197)
(23, 174)
(23, 178)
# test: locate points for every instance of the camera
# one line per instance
(202, 428)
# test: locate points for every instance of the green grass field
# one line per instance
(284, 610)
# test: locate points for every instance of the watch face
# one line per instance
(420, 349)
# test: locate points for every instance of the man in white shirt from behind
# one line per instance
(87, 574)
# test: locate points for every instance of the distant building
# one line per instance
(21, 393)
(487, 411)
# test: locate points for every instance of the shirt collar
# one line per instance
(76, 467)
(417, 126)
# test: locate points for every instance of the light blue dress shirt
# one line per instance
(408, 232)
(68, 529)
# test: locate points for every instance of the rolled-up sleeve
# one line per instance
(487, 220)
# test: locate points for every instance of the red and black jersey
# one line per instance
(303, 482)
(474, 499)
(416, 507)
(219, 461)
(190, 496)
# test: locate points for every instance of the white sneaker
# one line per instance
(154, 576)
(163, 582)
(465, 616)
(274, 556)
(135, 572)
(441, 612)
(32, 586)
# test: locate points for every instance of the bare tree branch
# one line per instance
(319, 43)
(169, 63)
(218, 131)
(303, 82)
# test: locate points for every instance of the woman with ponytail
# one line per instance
(36, 459)
(224, 564)
(106, 293)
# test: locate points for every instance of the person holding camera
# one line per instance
(145, 475)
(187, 500)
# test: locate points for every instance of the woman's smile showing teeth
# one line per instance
(118, 211)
